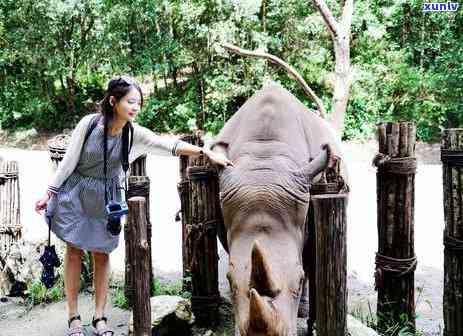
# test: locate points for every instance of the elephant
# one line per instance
(278, 148)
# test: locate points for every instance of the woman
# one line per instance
(75, 197)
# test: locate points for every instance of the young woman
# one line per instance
(75, 199)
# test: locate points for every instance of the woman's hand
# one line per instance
(217, 158)
(42, 204)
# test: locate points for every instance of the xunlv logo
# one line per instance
(440, 6)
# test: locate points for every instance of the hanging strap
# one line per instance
(105, 168)
(49, 226)
(126, 147)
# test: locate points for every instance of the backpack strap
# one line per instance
(127, 133)
(91, 127)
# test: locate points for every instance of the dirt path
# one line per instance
(36, 170)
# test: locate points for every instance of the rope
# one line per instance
(204, 305)
(195, 234)
(324, 188)
(205, 302)
(453, 243)
(452, 157)
(398, 267)
(139, 189)
(402, 166)
(200, 172)
(11, 230)
(9, 175)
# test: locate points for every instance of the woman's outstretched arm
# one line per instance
(146, 141)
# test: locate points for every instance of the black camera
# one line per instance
(115, 210)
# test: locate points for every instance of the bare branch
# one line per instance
(327, 16)
(347, 12)
(274, 59)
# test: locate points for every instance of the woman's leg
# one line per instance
(72, 268)
(100, 283)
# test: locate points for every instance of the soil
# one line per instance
(36, 169)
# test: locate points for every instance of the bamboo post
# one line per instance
(331, 264)
(139, 249)
(10, 222)
(202, 243)
(138, 186)
(395, 259)
(452, 159)
(183, 188)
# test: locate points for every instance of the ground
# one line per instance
(36, 170)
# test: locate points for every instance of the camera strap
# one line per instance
(126, 147)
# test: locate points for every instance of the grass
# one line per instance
(404, 326)
(37, 293)
(157, 288)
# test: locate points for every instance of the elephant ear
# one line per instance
(323, 160)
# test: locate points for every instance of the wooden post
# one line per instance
(395, 260)
(138, 186)
(183, 188)
(309, 293)
(139, 249)
(138, 167)
(10, 221)
(452, 159)
(331, 264)
(202, 243)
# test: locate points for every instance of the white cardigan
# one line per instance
(144, 141)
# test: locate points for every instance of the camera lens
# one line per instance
(114, 226)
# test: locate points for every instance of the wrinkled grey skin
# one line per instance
(264, 200)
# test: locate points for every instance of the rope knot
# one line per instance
(397, 267)
(401, 165)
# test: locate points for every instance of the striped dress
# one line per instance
(77, 211)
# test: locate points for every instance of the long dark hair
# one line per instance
(118, 87)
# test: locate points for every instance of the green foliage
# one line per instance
(56, 56)
(38, 293)
(119, 298)
(158, 287)
(168, 288)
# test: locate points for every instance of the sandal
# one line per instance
(75, 331)
(102, 332)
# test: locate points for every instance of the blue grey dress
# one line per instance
(77, 211)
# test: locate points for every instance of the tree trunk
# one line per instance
(341, 83)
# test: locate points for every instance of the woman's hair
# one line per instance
(118, 87)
